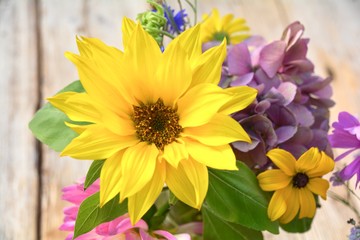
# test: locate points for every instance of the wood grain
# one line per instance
(28, 57)
(18, 100)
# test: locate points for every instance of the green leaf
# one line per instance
(298, 225)
(48, 124)
(93, 173)
(235, 196)
(216, 228)
(90, 214)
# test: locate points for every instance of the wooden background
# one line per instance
(34, 34)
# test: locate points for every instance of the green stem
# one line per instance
(345, 202)
(194, 8)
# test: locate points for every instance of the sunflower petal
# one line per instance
(137, 168)
(273, 179)
(283, 160)
(82, 111)
(175, 66)
(189, 182)
(128, 26)
(199, 105)
(110, 178)
(141, 201)
(175, 152)
(243, 96)
(307, 203)
(97, 142)
(190, 41)
(208, 66)
(318, 186)
(220, 157)
(277, 206)
(220, 130)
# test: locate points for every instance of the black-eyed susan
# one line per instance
(215, 28)
(156, 117)
(295, 183)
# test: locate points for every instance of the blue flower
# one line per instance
(175, 22)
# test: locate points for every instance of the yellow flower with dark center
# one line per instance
(215, 28)
(295, 183)
(156, 118)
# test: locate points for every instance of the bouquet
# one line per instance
(196, 131)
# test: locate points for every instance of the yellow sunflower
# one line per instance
(155, 117)
(295, 183)
(214, 28)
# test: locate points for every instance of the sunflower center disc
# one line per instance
(219, 36)
(300, 180)
(156, 123)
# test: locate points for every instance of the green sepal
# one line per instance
(90, 214)
(235, 196)
(298, 225)
(94, 172)
(48, 124)
(216, 228)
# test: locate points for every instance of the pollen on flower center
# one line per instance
(156, 123)
(300, 180)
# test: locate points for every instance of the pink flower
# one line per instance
(119, 228)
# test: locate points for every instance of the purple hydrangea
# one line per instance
(292, 107)
(346, 135)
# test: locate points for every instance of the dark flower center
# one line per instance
(156, 123)
(219, 36)
(300, 180)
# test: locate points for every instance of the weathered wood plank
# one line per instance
(18, 100)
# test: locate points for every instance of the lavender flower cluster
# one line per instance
(292, 107)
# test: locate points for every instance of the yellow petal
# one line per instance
(283, 160)
(140, 202)
(208, 66)
(308, 160)
(199, 105)
(82, 111)
(110, 178)
(239, 38)
(141, 59)
(175, 152)
(219, 157)
(96, 84)
(273, 179)
(318, 186)
(97, 142)
(174, 76)
(277, 206)
(243, 96)
(220, 130)
(236, 26)
(189, 182)
(190, 41)
(76, 128)
(307, 203)
(128, 26)
(137, 168)
(291, 197)
(325, 165)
